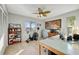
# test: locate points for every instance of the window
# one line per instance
(27, 25)
(70, 25)
(30, 26)
(33, 25)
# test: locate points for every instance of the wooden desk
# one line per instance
(59, 47)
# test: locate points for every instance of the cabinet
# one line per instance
(52, 34)
(14, 33)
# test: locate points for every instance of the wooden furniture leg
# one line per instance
(39, 49)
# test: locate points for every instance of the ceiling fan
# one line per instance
(41, 12)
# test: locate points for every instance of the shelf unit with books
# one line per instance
(14, 33)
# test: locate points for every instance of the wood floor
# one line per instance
(23, 48)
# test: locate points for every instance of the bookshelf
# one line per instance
(14, 33)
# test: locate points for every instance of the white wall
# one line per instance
(18, 19)
(63, 17)
(0, 23)
(3, 30)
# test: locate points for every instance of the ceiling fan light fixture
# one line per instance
(41, 12)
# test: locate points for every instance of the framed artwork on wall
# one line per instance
(54, 24)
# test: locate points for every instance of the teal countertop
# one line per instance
(62, 46)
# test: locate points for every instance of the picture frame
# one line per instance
(54, 24)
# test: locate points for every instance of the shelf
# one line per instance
(14, 33)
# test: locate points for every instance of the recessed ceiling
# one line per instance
(29, 9)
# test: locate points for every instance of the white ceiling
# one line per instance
(28, 9)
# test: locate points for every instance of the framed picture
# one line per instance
(54, 24)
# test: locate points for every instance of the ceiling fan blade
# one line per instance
(35, 13)
(47, 11)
